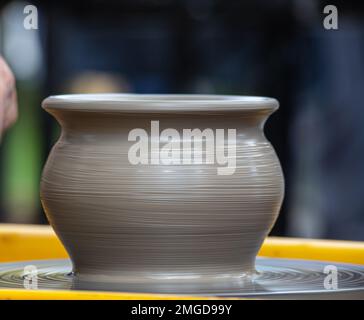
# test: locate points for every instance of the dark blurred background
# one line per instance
(277, 48)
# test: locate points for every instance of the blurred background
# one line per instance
(277, 48)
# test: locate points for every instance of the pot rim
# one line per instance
(161, 103)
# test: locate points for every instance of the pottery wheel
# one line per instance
(276, 278)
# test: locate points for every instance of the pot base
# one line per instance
(165, 283)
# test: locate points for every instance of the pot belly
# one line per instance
(170, 224)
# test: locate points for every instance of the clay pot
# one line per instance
(161, 226)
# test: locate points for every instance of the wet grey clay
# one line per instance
(177, 220)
